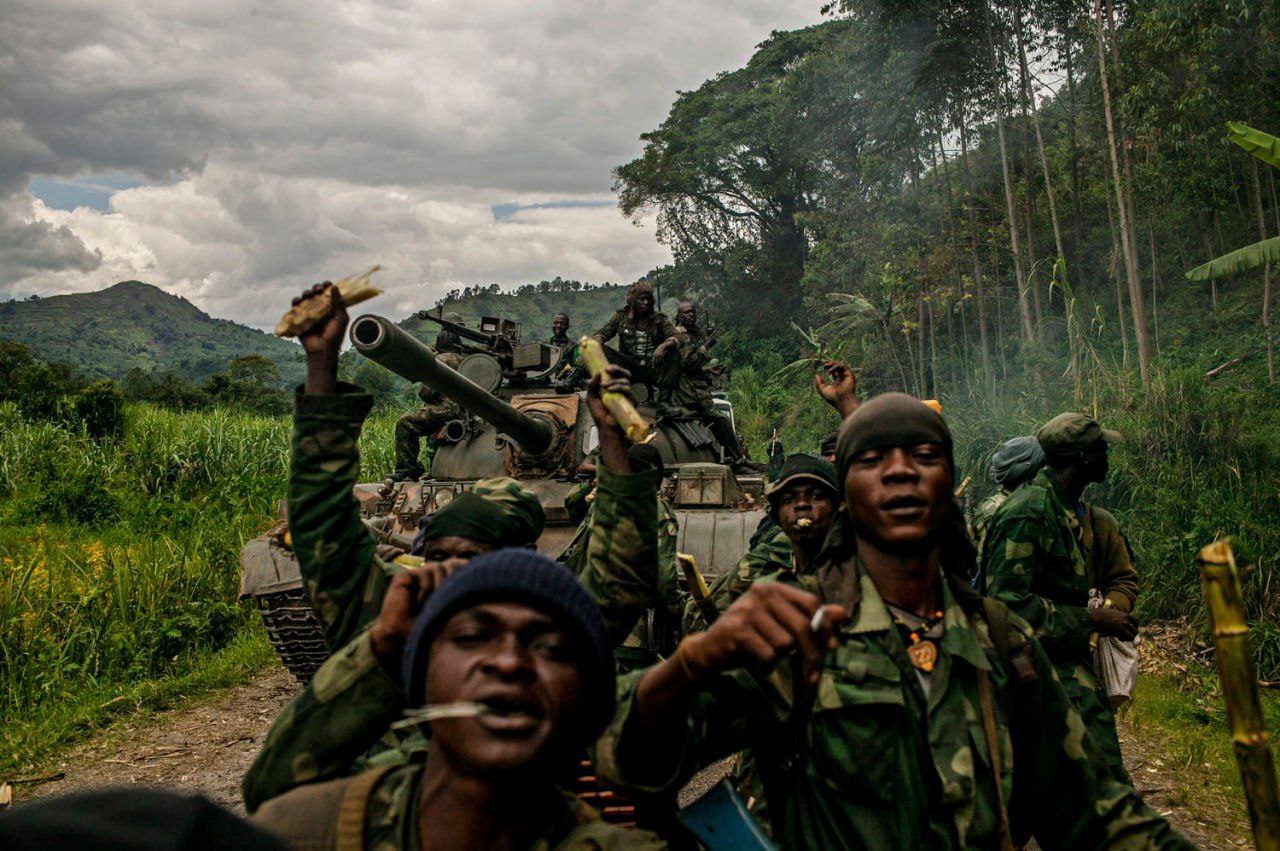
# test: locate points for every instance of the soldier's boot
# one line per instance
(733, 451)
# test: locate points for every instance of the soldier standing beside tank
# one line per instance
(640, 330)
(436, 410)
(1033, 561)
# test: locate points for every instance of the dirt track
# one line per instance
(207, 749)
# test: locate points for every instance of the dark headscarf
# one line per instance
(888, 420)
(498, 512)
(1016, 460)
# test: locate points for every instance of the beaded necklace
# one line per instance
(922, 651)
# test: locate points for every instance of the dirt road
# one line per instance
(207, 749)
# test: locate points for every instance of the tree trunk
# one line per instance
(1155, 285)
(978, 288)
(1027, 106)
(1266, 273)
(1077, 227)
(1113, 269)
(1213, 284)
(997, 78)
(1141, 331)
(939, 161)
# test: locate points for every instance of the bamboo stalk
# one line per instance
(1221, 581)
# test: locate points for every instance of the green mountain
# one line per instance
(104, 334)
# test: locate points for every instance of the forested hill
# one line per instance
(105, 334)
(532, 305)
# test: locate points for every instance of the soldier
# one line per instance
(640, 331)
(1033, 561)
(510, 651)
(685, 387)
(436, 410)
(887, 704)
(560, 331)
(1015, 461)
(801, 505)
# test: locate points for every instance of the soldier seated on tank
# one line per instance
(560, 331)
(436, 410)
(640, 331)
(684, 390)
(506, 663)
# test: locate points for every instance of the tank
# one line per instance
(519, 423)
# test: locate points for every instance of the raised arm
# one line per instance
(335, 551)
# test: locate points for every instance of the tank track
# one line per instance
(294, 631)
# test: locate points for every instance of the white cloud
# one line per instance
(299, 140)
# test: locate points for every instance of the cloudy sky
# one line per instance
(233, 151)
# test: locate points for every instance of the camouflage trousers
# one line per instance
(415, 425)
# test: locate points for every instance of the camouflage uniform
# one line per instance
(436, 410)
(983, 515)
(869, 760)
(628, 566)
(635, 347)
(1033, 562)
(687, 384)
(323, 737)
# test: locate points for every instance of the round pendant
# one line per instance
(923, 655)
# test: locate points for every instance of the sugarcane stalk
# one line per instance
(1249, 738)
(593, 357)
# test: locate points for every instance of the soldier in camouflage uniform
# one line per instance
(511, 631)
(641, 332)
(1015, 461)
(685, 385)
(966, 741)
(801, 504)
(436, 410)
(1033, 561)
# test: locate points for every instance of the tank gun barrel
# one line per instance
(386, 344)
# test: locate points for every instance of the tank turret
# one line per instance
(518, 423)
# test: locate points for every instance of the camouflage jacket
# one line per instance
(1033, 563)
(867, 761)
(343, 577)
(982, 516)
(693, 383)
(310, 753)
(1109, 559)
(623, 568)
(633, 343)
(771, 554)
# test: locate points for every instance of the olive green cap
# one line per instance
(1069, 434)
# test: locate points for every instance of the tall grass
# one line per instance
(119, 560)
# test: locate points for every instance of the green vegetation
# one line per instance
(133, 325)
(994, 203)
(119, 561)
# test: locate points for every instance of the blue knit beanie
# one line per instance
(519, 575)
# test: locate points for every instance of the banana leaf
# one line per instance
(1240, 260)
(1264, 146)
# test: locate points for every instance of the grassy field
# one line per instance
(119, 564)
